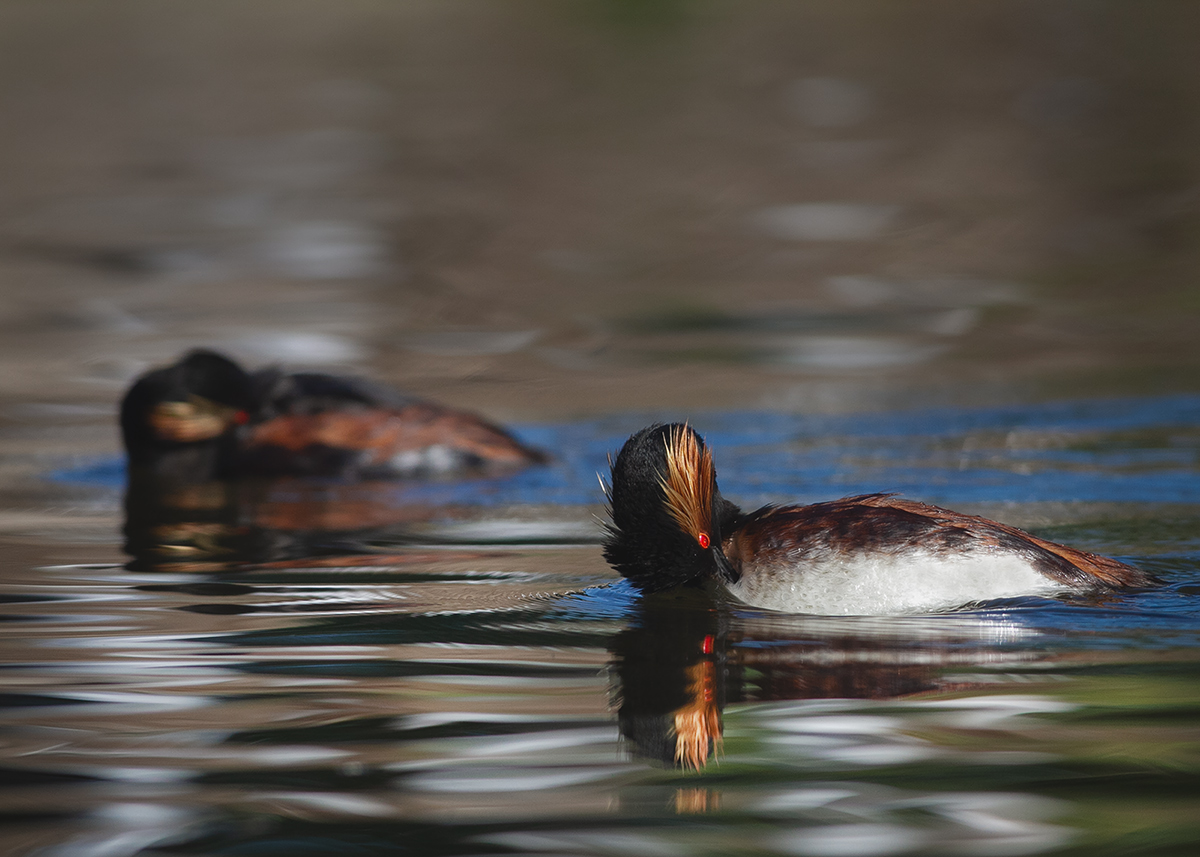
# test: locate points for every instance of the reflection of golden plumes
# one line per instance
(191, 538)
(698, 724)
(193, 567)
(695, 801)
(688, 483)
(192, 547)
(197, 497)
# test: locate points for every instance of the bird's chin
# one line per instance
(726, 573)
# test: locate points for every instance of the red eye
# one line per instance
(704, 540)
(241, 418)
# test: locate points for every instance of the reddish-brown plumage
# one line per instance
(381, 435)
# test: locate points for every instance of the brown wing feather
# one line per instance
(887, 522)
(378, 435)
(1105, 570)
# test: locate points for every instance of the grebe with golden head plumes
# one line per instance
(871, 554)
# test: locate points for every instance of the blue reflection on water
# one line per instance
(1144, 450)
(613, 601)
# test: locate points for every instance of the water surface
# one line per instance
(316, 668)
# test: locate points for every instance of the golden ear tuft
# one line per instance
(195, 420)
(688, 483)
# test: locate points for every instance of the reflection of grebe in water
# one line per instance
(672, 679)
(686, 656)
(205, 417)
(223, 526)
(873, 554)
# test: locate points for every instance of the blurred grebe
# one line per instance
(205, 417)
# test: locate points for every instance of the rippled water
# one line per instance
(302, 668)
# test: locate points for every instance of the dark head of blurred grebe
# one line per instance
(872, 554)
(205, 417)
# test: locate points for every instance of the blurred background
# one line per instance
(550, 210)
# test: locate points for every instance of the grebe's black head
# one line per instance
(667, 514)
(195, 401)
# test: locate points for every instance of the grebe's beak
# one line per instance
(725, 569)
